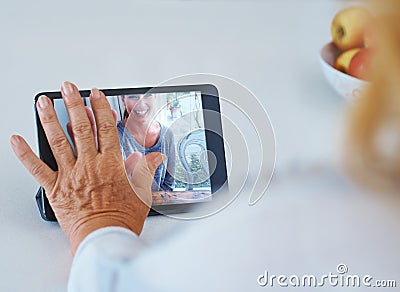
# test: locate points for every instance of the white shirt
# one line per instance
(307, 224)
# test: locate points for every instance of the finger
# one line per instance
(115, 115)
(90, 115)
(152, 161)
(107, 134)
(69, 130)
(132, 161)
(92, 124)
(38, 169)
(143, 175)
(80, 124)
(58, 142)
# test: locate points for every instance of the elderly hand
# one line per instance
(91, 190)
(130, 161)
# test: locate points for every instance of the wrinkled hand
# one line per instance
(130, 161)
(91, 190)
(92, 120)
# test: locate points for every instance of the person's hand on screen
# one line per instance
(130, 162)
(91, 190)
(90, 115)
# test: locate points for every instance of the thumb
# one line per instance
(143, 175)
(153, 161)
(132, 161)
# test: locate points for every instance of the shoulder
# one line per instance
(166, 132)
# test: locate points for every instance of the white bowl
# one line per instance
(347, 86)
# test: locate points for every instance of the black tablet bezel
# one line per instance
(213, 133)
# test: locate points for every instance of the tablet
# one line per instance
(190, 136)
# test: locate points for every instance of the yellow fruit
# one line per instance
(348, 27)
(343, 61)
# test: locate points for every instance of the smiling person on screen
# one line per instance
(140, 133)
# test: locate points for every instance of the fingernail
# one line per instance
(43, 101)
(95, 93)
(159, 158)
(15, 140)
(68, 88)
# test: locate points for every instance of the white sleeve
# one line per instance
(102, 257)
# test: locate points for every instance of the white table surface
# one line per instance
(269, 46)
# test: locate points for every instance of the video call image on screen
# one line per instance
(171, 123)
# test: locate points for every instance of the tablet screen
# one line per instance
(168, 122)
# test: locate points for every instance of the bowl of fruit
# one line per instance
(345, 61)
